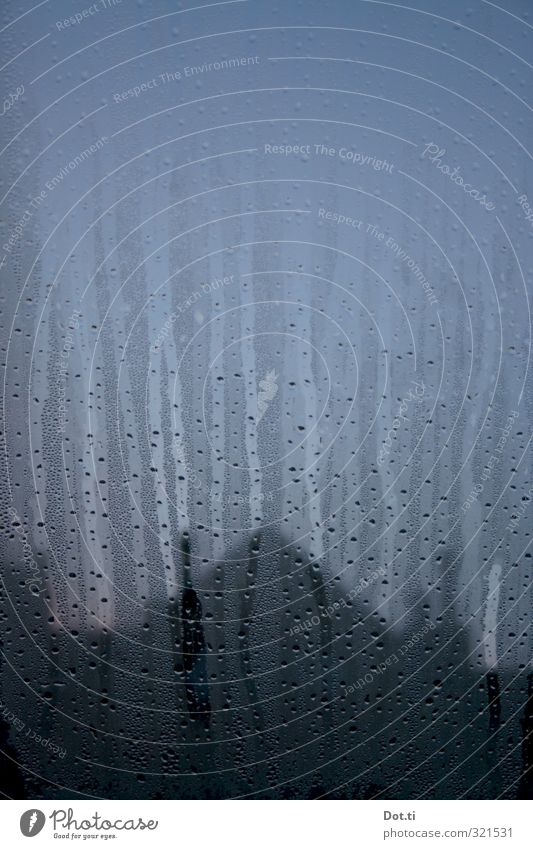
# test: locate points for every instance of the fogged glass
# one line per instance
(266, 383)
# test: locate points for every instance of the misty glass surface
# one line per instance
(266, 399)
